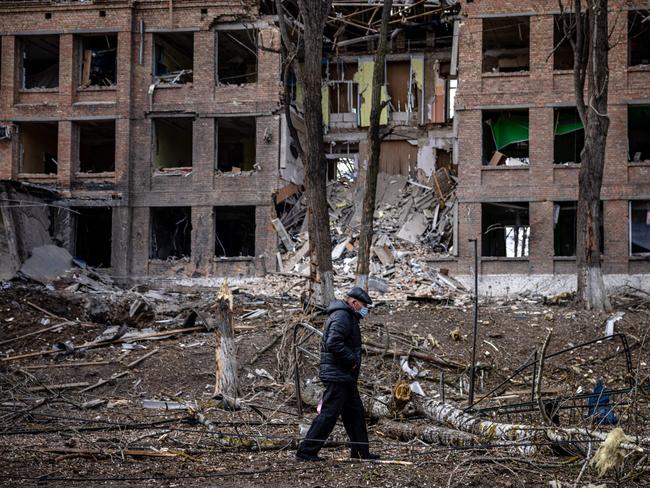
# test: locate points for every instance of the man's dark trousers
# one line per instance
(339, 399)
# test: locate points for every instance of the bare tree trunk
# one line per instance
(591, 65)
(314, 16)
(369, 197)
(225, 352)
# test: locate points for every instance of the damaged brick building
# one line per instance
(158, 123)
(154, 122)
(520, 138)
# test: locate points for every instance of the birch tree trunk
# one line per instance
(225, 351)
(370, 193)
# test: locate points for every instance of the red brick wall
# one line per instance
(542, 183)
(133, 189)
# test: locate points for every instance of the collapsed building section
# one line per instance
(234, 232)
(237, 56)
(236, 143)
(98, 60)
(172, 143)
(93, 235)
(173, 57)
(171, 233)
(506, 44)
(39, 61)
(38, 147)
(95, 146)
(505, 229)
(505, 137)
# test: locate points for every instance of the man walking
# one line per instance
(340, 361)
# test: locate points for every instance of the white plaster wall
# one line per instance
(504, 285)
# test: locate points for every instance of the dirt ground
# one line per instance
(53, 434)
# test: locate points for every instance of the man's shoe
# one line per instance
(304, 458)
(357, 455)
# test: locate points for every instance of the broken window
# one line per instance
(505, 137)
(234, 231)
(237, 56)
(343, 91)
(505, 229)
(638, 133)
(401, 86)
(173, 57)
(98, 60)
(565, 219)
(452, 86)
(342, 160)
(172, 142)
(40, 62)
(569, 136)
(562, 50)
(39, 143)
(506, 42)
(171, 232)
(236, 140)
(93, 231)
(640, 228)
(96, 146)
(638, 45)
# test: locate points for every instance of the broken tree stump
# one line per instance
(225, 385)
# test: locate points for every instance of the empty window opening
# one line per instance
(505, 229)
(93, 233)
(569, 136)
(40, 62)
(237, 56)
(234, 231)
(96, 146)
(172, 143)
(98, 63)
(343, 91)
(506, 42)
(236, 139)
(452, 87)
(505, 138)
(638, 44)
(173, 57)
(342, 161)
(565, 222)
(563, 52)
(564, 228)
(39, 145)
(638, 133)
(171, 233)
(640, 228)
(400, 86)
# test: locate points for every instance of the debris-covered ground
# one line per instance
(102, 386)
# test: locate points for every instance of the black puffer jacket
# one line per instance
(340, 353)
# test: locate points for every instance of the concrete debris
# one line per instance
(46, 264)
(414, 224)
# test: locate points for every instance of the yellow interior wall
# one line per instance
(325, 103)
(364, 78)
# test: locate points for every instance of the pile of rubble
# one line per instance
(414, 225)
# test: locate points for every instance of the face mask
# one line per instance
(363, 311)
